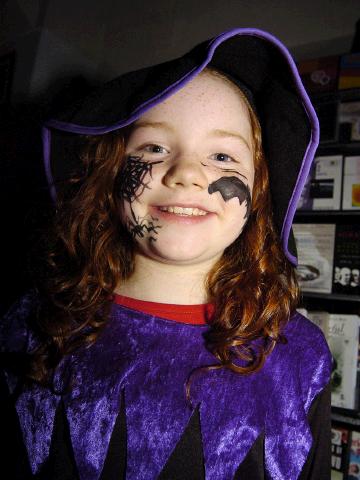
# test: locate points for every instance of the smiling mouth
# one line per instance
(185, 211)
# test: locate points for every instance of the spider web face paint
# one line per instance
(131, 184)
(131, 180)
(230, 187)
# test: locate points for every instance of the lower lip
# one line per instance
(182, 219)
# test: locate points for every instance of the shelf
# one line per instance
(332, 296)
(334, 148)
(349, 94)
(342, 144)
(344, 415)
(322, 213)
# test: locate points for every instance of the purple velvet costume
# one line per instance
(151, 358)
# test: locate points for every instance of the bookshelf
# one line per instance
(307, 215)
(336, 303)
(346, 417)
(332, 296)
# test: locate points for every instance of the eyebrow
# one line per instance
(163, 125)
(224, 133)
(217, 132)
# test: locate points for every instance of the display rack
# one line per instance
(335, 303)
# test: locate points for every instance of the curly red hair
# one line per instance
(89, 252)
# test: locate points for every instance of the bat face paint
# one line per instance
(232, 187)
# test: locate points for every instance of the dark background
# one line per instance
(50, 49)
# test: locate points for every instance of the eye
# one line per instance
(153, 148)
(222, 157)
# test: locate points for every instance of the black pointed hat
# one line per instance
(257, 61)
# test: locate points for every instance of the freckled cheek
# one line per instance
(235, 212)
(233, 228)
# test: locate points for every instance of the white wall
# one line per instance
(56, 39)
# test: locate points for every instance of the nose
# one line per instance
(186, 173)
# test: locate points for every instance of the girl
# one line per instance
(162, 339)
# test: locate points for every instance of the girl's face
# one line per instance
(189, 173)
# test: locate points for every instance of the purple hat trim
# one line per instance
(308, 157)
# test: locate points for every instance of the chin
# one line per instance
(177, 254)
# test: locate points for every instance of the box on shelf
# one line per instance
(351, 184)
(315, 246)
(321, 319)
(335, 475)
(322, 190)
(303, 311)
(320, 74)
(340, 450)
(349, 75)
(357, 386)
(354, 460)
(344, 345)
(349, 120)
(342, 332)
(347, 260)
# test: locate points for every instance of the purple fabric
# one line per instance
(36, 409)
(308, 157)
(151, 358)
(14, 334)
(46, 140)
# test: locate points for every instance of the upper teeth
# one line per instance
(183, 210)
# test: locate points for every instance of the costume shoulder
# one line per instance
(308, 348)
(15, 334)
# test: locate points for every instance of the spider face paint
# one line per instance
(131, 184)
(142, 226)
(231, 187)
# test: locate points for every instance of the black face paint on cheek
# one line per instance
(130, 185)
(131, 179)
(142, 226)
(230, 187)
(224, 169)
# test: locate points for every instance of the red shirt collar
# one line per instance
(191, 314)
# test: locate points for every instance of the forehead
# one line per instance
(206, 94)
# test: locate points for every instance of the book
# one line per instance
(351, 183)
(347, 260)
(321, 319)
(322, 190)
(354, 460)
(315, 246)
(349, 120)
(335, 475)
(357, 387)
(349, 76)
(344, 345)
(302, 311)
(320, 74)
(340, 451)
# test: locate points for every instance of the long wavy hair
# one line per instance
(87, 252)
